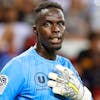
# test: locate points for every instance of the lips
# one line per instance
(56, 40)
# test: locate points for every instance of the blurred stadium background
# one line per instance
(82, 36)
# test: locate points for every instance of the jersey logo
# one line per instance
(3, 83)
(41, 79)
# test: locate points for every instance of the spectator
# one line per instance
(77, 19)
(92, 75)
(7, 48)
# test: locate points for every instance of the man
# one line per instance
(39, 73)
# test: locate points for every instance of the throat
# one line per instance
(47, 54)
(50, 56)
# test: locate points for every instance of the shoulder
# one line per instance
(25, 56)
(63, 60)
(19, 62)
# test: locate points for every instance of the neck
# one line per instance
(46, 53)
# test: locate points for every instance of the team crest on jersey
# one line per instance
(40, 79)
(3, 82)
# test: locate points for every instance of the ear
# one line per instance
(34, 29)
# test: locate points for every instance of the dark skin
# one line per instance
(49, 28)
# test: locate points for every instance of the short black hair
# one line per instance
(48, 4)
(45, 5)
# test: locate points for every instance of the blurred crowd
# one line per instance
(82, 36)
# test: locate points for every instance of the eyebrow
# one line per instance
(56, 20)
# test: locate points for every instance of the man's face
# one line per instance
(50, 28)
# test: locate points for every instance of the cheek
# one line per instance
(45, 32)
(42, 37)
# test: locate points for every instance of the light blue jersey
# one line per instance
(25, 77)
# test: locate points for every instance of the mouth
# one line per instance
(56, 40)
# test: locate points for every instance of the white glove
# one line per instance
(68, 85)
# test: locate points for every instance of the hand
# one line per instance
(67, 84)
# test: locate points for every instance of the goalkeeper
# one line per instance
(40, 73)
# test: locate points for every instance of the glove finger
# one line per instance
(67, 74)
(58, 90)
(64, 69)
(55, 77)
(63, 91)
(60, 68)
(52, 83)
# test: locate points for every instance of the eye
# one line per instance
(61, 23)
(47, 24)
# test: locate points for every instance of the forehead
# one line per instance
(52, 14)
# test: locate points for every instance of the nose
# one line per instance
(55, 29)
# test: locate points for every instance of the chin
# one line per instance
(58, 48)
(55, 47)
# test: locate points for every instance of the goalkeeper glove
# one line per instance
(68, 85)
